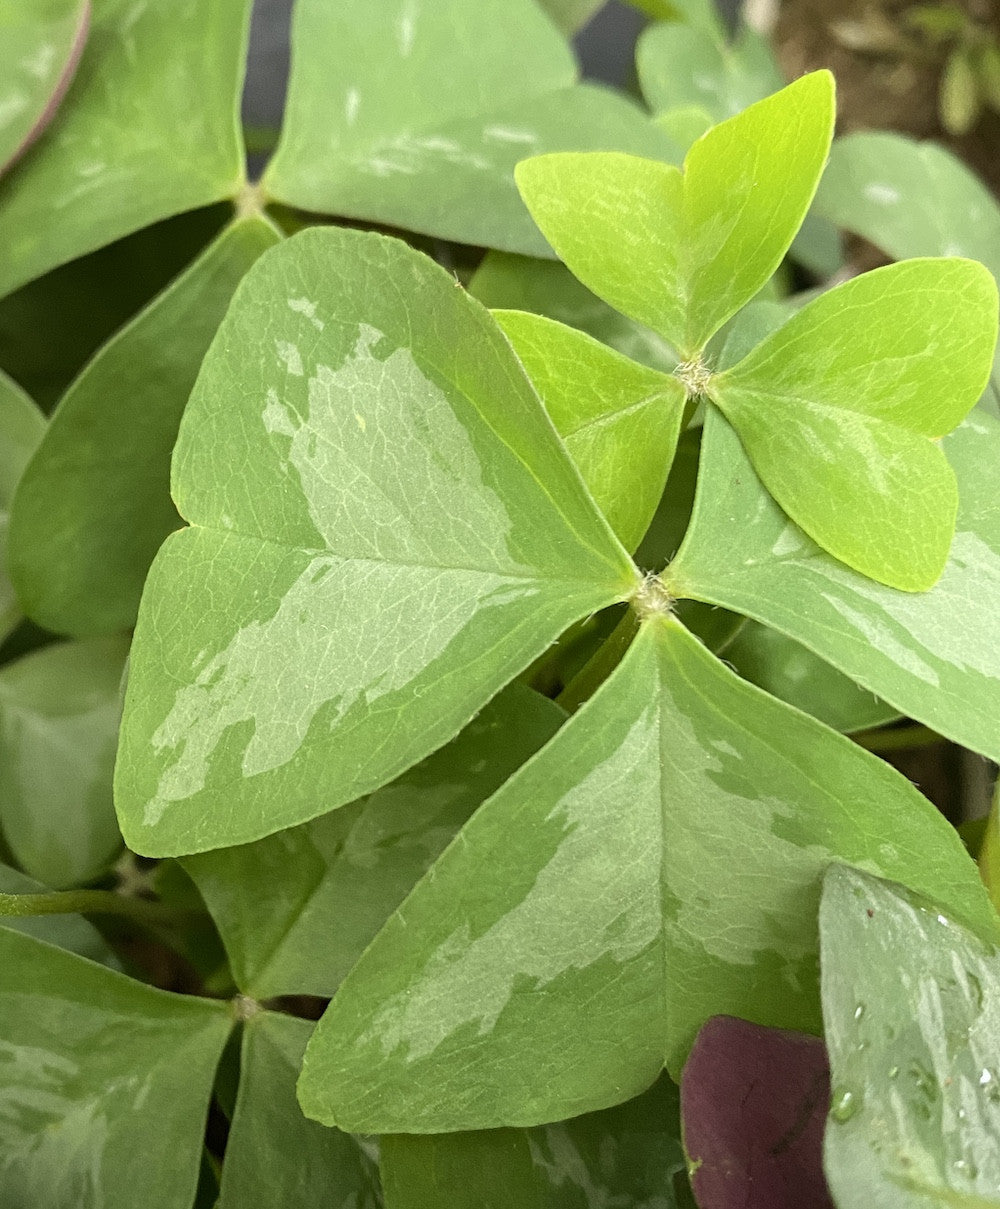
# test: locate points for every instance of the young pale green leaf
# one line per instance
(59, 710)
(836, 409)
(105, 1082)
(70, 932)
(117, 157)
(505, 281)
(22, 426)
(911, 1007)
(274, 1155)
(682, 65)
(657, 863)
(934, 656)
(385, 529)
(40, 46)
(297, 909)
(95, 504)
(789, 670)
(628, 1155)
(377, 128)
(619, 420)
(682, 253)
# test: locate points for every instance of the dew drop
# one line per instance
(845, 1104)
(893, 1072)
(859, 1011)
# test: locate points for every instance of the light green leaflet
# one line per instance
(274, 1156)
(376, 129)
(657, 863)
(836, 410)
(40, 44)
(911, 1005)
(935, 656)
(506, 281)
(71, 932)
(789, 670)
(117, 157)
(630, 1155)
(22, 426)
(692, 77)
(682, 252)
(94, 505)
(104, 1083)
(59, 710)
(619, 420)
(404, 534)
(681, 65)
(297, 909)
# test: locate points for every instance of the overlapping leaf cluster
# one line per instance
(392, 516)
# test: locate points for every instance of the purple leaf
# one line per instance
(754, 1102)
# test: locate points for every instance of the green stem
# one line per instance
(600, 666)
(989, 853)
(88, 902)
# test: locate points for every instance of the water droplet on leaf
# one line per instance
(845, 1104)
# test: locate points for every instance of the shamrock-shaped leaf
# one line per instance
(682, 251)
(836, 410)
(618, 419)
(657, 863)
(104, 1082)
(94, 505)
(911, 1007)
(435, 151)
(116, 157)
(40, 45)
(384, 531)
(935, 656)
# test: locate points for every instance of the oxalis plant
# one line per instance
(440, 722)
